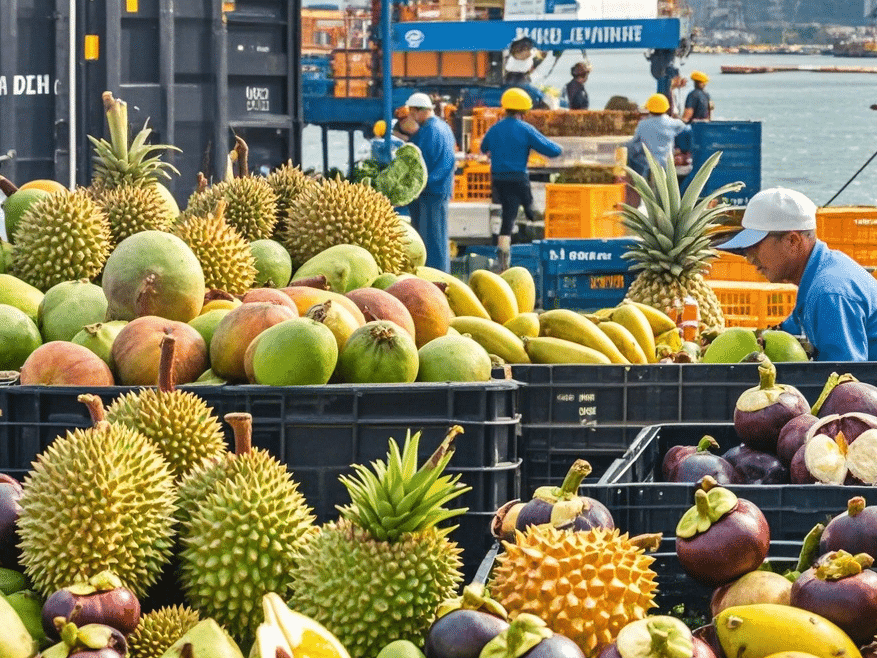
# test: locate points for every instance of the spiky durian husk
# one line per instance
(178, 422)
(288, 183)
(224, 255)
(368, 592)
(668, 294)
(97, 499)
(61, 237)
(339, 212)
(159, 629)
(131, 209)
(251, 205)
(585, 585)
(242, 531)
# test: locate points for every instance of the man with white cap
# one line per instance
(836, 308)
(429, 212)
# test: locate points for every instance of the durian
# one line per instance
(97, 499)
(339, 212)
(62, 237)
(131, 209)
(116, 162)
(380, 572)
(586, 585)
(179, 423)
(225, 256)
(243, 524)
(288, 183)
(160, 629)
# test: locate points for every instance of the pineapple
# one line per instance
(379, 573)
(673, 244)
(117, 163)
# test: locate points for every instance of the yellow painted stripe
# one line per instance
(92, 46)
(132, 6)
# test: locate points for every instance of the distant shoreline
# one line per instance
(766, 49)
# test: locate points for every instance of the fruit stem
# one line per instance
(201, 182)
(242, 425)
(809, 548)
(706, 443)
(318, 281)
(166, 363)
(240, 146)
(855, 506)
(573, 480)
(117, 120)
(767, 373)
(649, 542)
(7, 186)
(95, 407)
(831, 383)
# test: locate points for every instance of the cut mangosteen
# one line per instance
(843, 449)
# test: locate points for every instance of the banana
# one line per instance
(545, 349)
(624, 341)
(761, 629)
(575, 327)
(524, 324)
(521, 282)
(635, 321)
(461, 299)
(15, 641)
(603, 313)
(495, 294)
(658, 320)
(493, 337)
(671, 338)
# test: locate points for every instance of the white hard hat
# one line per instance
(419, 100)
(774, 209)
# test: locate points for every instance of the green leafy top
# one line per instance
(405, 177)
(396, 499)
(673, 234)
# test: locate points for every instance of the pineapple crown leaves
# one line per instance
(396, 498)
(672, 234)
(116, 161)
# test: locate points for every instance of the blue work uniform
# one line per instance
(429, 212)
(836, 308)
(699, 101)
(508, 142)
(656, 133)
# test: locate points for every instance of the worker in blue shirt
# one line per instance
(836, 307)
(657, 133)
(698, 106)
(508, 143)
(429, 212)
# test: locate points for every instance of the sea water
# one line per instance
(817, 128)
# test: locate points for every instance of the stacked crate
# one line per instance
(352, 70)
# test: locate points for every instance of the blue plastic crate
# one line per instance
(317, 87)
(584, 275)
(740, 144)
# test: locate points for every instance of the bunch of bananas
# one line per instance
(497, 311)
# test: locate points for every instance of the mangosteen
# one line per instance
(854, 530)
(843, 394)
(462, 633)
(561, 506)
(100, 600)
(10, 494)
(707, 634)
(672, 457)
(798, 473)
(701, 463)
(843, 589)
(528, 636)
(843, 449)
(792, 437)
(658, 636)
(87, 641)
(721, 537)
(762, 411)
(755, 466)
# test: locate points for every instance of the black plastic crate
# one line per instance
(549, 466)
(640, 502)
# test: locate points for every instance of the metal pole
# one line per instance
(296, 109)
(325, 144)
(387, 76)
(71, 98)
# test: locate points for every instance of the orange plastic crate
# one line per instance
(731, 267)
(754, 305)
(460, 188)
(583, 211)
(852, 230)
(474, 183)
(482, 119)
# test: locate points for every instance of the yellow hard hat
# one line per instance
(657, 104)
(699, 76)
(380, 128)
(516, 99)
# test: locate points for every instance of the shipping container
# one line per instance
(198, 75)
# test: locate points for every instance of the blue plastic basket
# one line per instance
(584, 275)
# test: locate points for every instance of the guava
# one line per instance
(16, 205)
(99, 338)
(68, 306)
(345, 266)
(453, 359)
(205, 324)
(19, 337)
(379, 352)
(21, 295)
(731, 346)
(295, 352)
(782, 346)
(273, 264)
